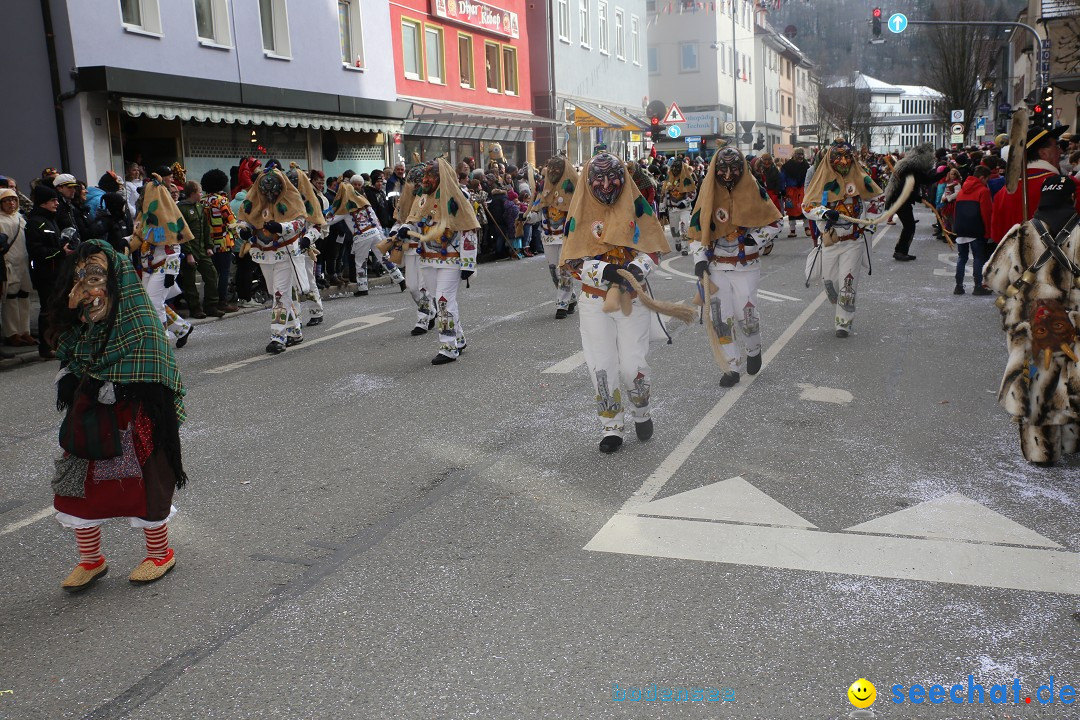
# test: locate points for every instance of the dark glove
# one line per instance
(831, 217)
(244, 231)
(700, 267)
(305, 242)
(403, 232)
(272, 227)
(466, 274)
(611, 273)
(170, 280)
(636, 272)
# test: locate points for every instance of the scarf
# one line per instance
(593, 229)
(133, 349)
(446, 209)
(745, 206)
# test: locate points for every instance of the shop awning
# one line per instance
(590, 115)
(170, 110)
(439, 111)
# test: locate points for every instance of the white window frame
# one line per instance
(563, 18)
(620, 34)
(356, 36)
(438, 31)
(419, 56)
(219, 16)
(149, 18)
(635, 40)
(279, 21)
(602, 30)
(697, 58)
(585, 16)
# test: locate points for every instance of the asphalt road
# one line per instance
(368, 536)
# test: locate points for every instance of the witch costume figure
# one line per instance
(611, 227)
(121, 391)
(446, 227)
(733, 224)
(1036, 269)
(553, 202)
(841, 187)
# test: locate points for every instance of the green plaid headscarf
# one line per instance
(136, 350)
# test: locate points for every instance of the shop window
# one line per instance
(141, 16)
(564, 20)
(351, 30)
(465, 61)
(635, 39)
(412, 62)
(603, 37)
(212, 22)
(492, 67)
(620, 41)
(688, 57)
(274, 22)
(433, 54)
(510, 70)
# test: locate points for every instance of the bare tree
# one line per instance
(960, 56)
(847, 108)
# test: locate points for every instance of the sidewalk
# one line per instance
(29, 355)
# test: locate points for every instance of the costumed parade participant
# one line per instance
(403, 242)
(1043, 155)
(679, 192)
(733, 222)
(1036, 268)
(314, 202)
(841, 188)
(553, 202)
(793, 176)
(159, 232)
(351, 207)
(273, 217)
(611, 227)
(447, 229)
(121, 391)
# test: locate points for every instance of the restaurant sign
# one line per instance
(477, 14)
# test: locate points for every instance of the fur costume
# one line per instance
(918, 162)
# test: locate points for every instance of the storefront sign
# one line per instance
(702, 123)
(477, 14)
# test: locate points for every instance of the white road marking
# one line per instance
(766, 295)
(19, 524)
(670, 465)
(568, 365)
(666, 264)
(949, 259)
(770, 293)
(364, 322)
(731, 500)
(824, 394)
(505, 318)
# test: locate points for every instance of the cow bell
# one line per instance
(1028, 278)
(1000, 302)
(1011, 291)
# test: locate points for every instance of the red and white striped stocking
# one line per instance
(89, 542)
(157, 542)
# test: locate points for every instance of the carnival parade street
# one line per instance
(369, 536)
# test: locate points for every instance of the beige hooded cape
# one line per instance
(557, 193)
(722, 212)
(445, 209)
(256, 210)
(160, 221)
(858, 182)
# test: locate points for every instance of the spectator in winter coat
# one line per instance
(971, 223)
(511, 212)
(497, 212)
(47, 253)
(112, 222)
(109, 183)
(14, 272)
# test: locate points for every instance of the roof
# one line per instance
(920, 91)
(865, 82)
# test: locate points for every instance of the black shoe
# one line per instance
(293, 340)
(214, 311)
(678, 246)
(441, 359)
(729, 379)
(359, 293)
(462, 348)
(685, 253)
(431, 324)
(275, 347)
(902, 257)
(561, 314)
(959, 290)
(571, 307)
(418, 331)
(753, 364)
(980, 290)
(312, 322)
(182, 340)
(610, 444)
(841, 333)
(644, 430)
(402, 285)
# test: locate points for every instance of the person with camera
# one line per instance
(47, 250)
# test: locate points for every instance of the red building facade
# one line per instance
(464, 64)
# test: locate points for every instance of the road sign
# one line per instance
(1046, 43)
(957, 140)
(693, 138)
(729, 127)
(674, 115)
(898, 22)
(747, 125)
(692, 145)
(957, 128)
(1005, 108)
(980, 127)
(956, 116)
(674, 131)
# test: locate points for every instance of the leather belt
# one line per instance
(734, 260)
(427, 255)
(597, 292)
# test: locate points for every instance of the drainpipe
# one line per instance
(54, 76)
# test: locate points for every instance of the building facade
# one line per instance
(202, 82)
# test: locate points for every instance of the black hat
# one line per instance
(1037, 137)
(42, 194)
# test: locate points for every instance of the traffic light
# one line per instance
(656, 128)
(760, 144)
(1044, 108)
(875, 21)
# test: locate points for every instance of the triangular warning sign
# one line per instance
(732, 500)
(674, 115)
(955, 517)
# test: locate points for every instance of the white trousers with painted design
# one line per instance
(281, 282)
(734, 311)
(313, 294)
(414, 281)
(679, 218)
(442, 284)
(361, 246)
(175, 326)
(841, 266)
(566, 287)
(615, 348)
